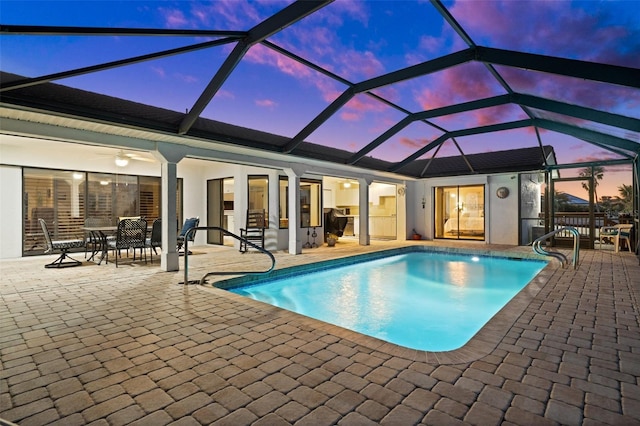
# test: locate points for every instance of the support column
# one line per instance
(295, 243)
(169, 256)
(169, 157)
(363, 201)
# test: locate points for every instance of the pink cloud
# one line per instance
(226, 14)
(260, 54)
(359, 106)
(349, 116)
(190, 79)
(335, 14)
(430, 44)
(174, 18)
(225, 94)
(328, 88)
(266, 103)
(413, 143)
(359, 65)
(159, 71)
(597, 156)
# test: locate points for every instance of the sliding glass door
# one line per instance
(459, 212)
(65, 198)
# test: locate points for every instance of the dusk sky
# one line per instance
(356, 41)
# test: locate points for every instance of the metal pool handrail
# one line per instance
(231, 234)
(560, 256)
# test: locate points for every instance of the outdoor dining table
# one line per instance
(100, 233)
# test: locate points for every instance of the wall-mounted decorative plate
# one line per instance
(502, 192)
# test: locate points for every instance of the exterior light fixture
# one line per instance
(121, 159)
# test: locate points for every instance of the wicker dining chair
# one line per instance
(131, 234)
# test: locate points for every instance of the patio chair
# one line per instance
(131, 234)
(616, 234)
(155, 240)
(253, 230)
(62, 246)
(192, 222)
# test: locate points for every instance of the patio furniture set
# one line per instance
(131, 233)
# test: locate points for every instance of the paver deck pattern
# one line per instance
(104, 346)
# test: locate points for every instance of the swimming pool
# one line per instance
(420, 300)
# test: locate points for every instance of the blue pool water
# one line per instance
(424, 300)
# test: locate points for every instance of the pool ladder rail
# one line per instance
(537, 246)
(201, 281)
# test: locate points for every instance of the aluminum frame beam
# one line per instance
(282, 19)
(418, 70)
(27, 82)
(463, 132)
(107, 31)
(614, 74)
(589, 136)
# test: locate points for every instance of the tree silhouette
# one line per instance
(598, 174)
(626, 196)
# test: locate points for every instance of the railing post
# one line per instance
(536, 245)
(224, 231)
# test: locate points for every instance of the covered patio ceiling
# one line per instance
(352, 83)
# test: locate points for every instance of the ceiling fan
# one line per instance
(122, 158)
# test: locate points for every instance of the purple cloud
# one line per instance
(590, 31)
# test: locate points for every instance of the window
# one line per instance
(58, 198)
(310, 203)
(259, 195)
(283, 202)
(65, 198)
(459, 212)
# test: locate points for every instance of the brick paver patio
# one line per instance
(105, 346)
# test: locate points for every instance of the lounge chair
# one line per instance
(617, 234)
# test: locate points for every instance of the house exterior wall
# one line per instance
(501, 226)
(10, 212)
(17, 153)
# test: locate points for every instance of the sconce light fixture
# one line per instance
(502, 192)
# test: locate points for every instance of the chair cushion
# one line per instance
(67, 244)
(188, 224)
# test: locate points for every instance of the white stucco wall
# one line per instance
(194, 193)
(503, 213)
(501, 226)
(10, 212)
(17, 152)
